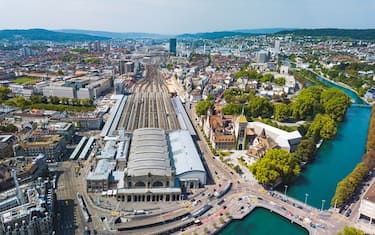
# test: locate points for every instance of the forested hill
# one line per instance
(357, 34)
(45, 35)
(214, 35)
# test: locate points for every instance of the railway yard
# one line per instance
(149, 105)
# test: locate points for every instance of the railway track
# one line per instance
(150, 104)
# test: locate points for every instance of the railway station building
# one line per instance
(161, 166)
(149, 175)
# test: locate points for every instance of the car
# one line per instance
(259, 198)
(321, 225)
(299, 207)
(346, 207)
(283, 208)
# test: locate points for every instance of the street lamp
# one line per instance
(323, 201)
(286, 188)
(306, 196)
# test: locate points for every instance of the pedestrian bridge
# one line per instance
(361, 105)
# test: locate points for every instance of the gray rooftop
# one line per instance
(102, 171)
(185, 155)
(149, 153)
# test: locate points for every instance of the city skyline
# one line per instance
(186, 16)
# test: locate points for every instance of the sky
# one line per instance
(185, 16)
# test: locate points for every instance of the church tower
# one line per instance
(240, 130)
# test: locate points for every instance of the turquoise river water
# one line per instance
(335, 159)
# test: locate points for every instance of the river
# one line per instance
(335, 159)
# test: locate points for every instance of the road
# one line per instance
(240, 200)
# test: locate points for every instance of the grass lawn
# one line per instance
(25, 80)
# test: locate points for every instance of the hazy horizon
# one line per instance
(185, 16)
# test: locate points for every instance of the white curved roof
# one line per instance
(149, 153)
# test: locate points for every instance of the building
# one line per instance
(121, 67)
(173, 46)
(64, 129)
(6, 146)
(149, 175)
(370, 94)
(282, 139)
(52, 146)
(87, 87)
(262, 56)
(219, 130)
(26, 168)
(367, 205)
(125, 67)
(98, 180)
(60, 91)
(119, 86)
(186, 160)
(277, 46)
(240, 131)
(29, 210)
(21, 90)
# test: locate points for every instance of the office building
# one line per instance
(52, 146)
(262, 56)
(277, 46)
(173, 46)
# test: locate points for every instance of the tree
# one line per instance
(346, 187)
(21, 102)
(260, 107)
(9, 128)
(249, 74)
(307, 104)
(351, 231)
(65, 100)
(237, 169)
(37, 99)
(60, 72)
(282, 112)
(323, 126)
(276, 164)
(267, 78)
(76, 102)
(54, 100)
(232, 109)
(4, 92)
(203, 106)
(280, 81)
(305, 150)
(86, 102)
(335, 103)
(369, 159)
